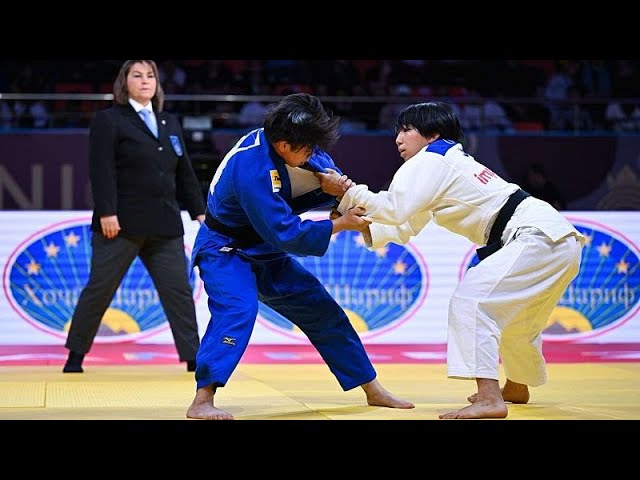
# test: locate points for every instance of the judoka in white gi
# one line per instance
(243, 251)
(501, 306)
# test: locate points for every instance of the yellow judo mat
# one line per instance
(579, 391)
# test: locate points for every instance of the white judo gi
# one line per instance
(501, 306)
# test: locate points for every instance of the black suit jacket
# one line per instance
(138, 177)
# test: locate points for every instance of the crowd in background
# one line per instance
(488, 95)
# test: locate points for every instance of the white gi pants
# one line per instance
(501, 307)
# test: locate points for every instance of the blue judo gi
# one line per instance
(254, 188)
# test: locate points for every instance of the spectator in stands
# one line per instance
(595, 82)
(482, 115)
(557, 91)
(174, 75)
(538, 185)
(622, 117)
(389, 111)
(39, 114)
(6, 116)
(252, 113)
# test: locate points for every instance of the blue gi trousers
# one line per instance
(235, 283)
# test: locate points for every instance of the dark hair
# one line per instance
(429, 118)
(121, 93)
(301, 120)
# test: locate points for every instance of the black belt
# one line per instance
(243, 237)
(504, 215)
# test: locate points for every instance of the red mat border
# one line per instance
(162, 354)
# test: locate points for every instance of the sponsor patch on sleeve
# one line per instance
(276, 184)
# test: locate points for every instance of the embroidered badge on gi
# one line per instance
(276, 184)
(175, 143)
(229, 341)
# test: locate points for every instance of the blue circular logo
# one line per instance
(47, 272)
(378, 290)
(606, 292)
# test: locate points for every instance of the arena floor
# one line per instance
(575, 391)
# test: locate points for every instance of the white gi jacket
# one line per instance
(446, 184)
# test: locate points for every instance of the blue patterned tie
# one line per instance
(146, 116)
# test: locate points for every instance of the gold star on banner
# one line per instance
(400, 267)
(360, 241)
(52, 250)
(587, 239)
(71, 240)
(622, 266)
(604, 250)
(33, 268)
(382, 251)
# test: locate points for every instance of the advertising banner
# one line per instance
(393, 295)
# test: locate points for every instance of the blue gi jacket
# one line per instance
(253, 186)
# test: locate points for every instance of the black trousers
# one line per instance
(165, 261)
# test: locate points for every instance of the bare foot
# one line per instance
(511, 392)
(378, 396)
(207, 412)
(480, 409)
(488, 402)
(202, 406)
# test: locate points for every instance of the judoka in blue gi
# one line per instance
(244, 252)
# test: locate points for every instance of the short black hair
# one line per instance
(302, 121)
(429, 118)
